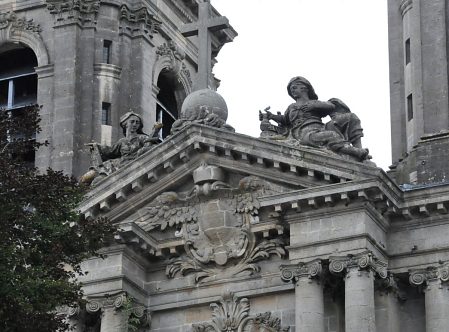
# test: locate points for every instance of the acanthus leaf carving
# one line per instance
(204, 272)
(231, 314)
(139, 20)
(11, 20)
(83, 11)
(270, 323)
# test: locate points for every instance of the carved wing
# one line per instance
(164, 216)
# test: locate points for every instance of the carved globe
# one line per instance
(212, 101)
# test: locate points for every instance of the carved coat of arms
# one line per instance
(214, 219)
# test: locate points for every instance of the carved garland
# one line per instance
(231, 314)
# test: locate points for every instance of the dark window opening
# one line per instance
(4, 90)
(167, 108)
(18, 86)
(25, 92)
(409, 107)
(106, 114)
(107, 46)
(407, 51)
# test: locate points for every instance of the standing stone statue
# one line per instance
(302, 122)
(107, 159)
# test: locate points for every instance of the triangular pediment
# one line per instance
(169, 167)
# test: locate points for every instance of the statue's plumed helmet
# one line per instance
(125, 117)
(300, 79)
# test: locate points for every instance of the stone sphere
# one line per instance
(211, 100)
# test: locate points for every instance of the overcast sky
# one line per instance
(340, 46)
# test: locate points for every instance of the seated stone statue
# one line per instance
(302, 122)
(107, 159)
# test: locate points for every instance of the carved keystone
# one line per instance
(362, 261)
(312, 269)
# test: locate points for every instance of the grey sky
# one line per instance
(341, 46)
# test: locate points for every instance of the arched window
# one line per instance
(167, 105)
(18, 81)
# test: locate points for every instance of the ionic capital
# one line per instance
(70, 312)
(120, 301)
(389, 285)
(312, 269)
(362, 261)
(432, 273)
(115, 301)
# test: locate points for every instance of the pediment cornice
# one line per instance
(177, 157)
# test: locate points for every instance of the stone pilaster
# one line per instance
(359, 271)
(116, 312)
(436, 290)
(309, 301)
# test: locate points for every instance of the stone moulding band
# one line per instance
(405, 6)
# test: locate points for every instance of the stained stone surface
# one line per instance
(209, 218)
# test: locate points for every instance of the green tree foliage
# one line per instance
(42, 238)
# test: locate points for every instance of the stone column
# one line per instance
(44, 97)
(388, 299)
(436, 291)
(359, 271)
(309, 301)
(113, 319)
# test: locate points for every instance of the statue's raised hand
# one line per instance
(267, 115)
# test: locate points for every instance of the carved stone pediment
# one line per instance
(173, 161)
(194, 200)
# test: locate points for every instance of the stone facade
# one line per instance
(319, 242)
(220, 231)
(91, 52)
(418, 43)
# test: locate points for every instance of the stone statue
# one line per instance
(302, 122)
(107, 159)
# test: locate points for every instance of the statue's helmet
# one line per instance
(300, 79)
(125, 117)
